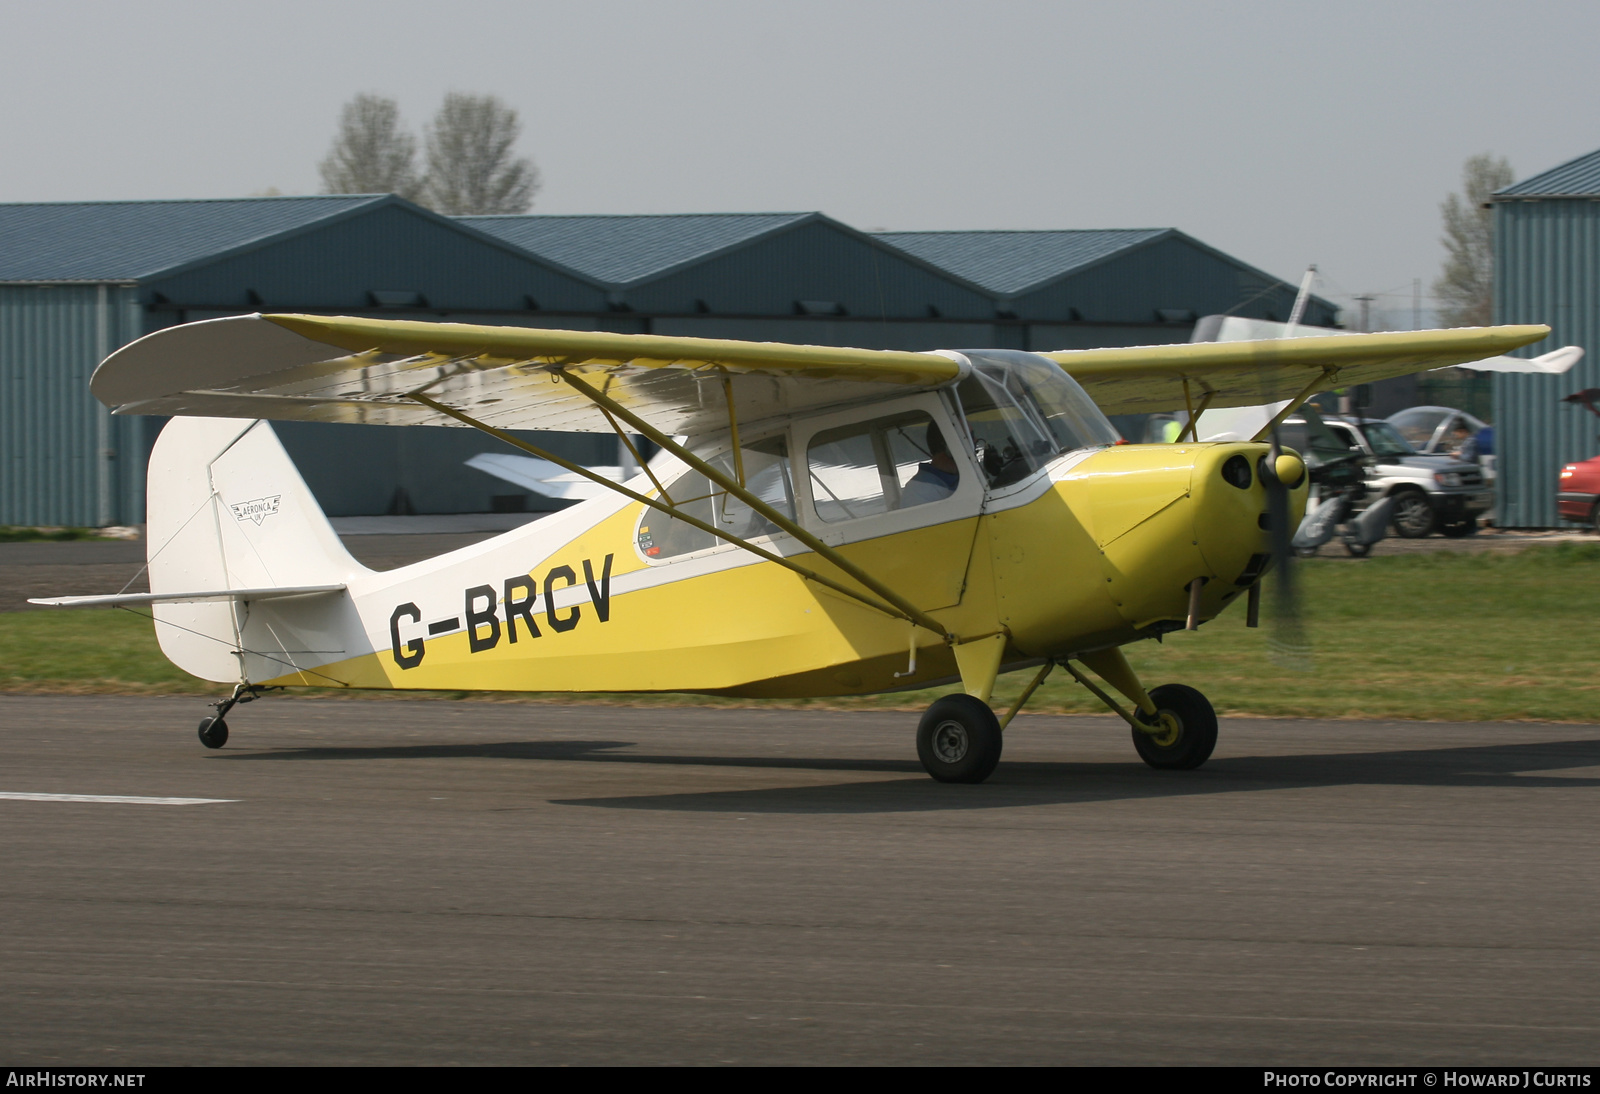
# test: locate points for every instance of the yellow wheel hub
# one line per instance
(1169, 730)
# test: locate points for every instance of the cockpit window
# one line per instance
(766, 475)
(875, 466)
(1023, 410)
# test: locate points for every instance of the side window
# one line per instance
(873, 467)
(766, 475)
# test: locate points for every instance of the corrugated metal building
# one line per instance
(1547, 270)
(779, 277)
(1117, 287)
(804, 277)
(79, 280)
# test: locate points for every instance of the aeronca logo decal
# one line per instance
(258, 510)
(492, 612)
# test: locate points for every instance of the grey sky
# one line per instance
(1282, 133)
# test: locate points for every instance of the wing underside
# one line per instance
(1144, 379)
(337, 369)
(367, 371)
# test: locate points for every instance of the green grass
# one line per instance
(10, 534)
(1432, 636)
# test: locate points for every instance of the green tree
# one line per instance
(1465, 287)
(371, 154)
(472, 163)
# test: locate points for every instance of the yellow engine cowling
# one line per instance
(1144, 521)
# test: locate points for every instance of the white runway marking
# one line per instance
(118, 799)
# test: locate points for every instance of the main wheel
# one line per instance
(958, 740)
(1413, 516)
(1190, 729)
(213, 732)
(1456, 529)
(1358, 550)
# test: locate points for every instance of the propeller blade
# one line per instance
(1288, 645)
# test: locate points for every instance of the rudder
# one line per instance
(227, 509)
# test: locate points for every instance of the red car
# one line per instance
(1579, 498)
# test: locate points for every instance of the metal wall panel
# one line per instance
(63, 459)
(1547, 270)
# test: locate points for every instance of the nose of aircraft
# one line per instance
(1164, 515)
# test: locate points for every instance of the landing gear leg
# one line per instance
(213, 730)
(1174, 726)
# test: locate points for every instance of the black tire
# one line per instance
(1456, 529)
(1414, 517)
(958, 740)
(213, 732)
(1306, 552)
(1196, 725)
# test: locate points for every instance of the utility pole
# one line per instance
(1416, 303)
(1365, 300)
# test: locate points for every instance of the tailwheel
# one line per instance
(213, 732)
(1188, 730)
(958, 740)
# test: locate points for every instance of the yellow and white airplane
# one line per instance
(820, 521)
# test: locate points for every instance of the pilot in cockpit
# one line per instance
(936, 477)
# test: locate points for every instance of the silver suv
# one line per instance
(1431, 493)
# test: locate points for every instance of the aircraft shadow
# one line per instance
(587, 751)
(1022, 784)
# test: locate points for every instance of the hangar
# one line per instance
(78, 280)
(1547, 270)
(805, 277)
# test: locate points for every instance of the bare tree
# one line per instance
(1465, 287)
(372, 154)
(472, 166)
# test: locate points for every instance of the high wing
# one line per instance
(341, 369)
(1144, 379)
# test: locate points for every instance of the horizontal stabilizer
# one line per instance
(542, 476)
(120, 599)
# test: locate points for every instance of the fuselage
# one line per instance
(1098, 548)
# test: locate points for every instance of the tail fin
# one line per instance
(228, 510)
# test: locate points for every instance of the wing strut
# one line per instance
(670, 510)
(1193, 428)
(1322, 380)
(907, 610)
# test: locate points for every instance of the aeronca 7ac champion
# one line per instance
(818, 521)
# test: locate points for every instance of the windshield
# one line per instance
(1419, 423)
(1385, 441)
(1023, 410)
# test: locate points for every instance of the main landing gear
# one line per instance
(213, 730)
(1174, 726)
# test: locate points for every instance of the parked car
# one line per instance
(1431, 492)
(1431, 430)
(1579, 497)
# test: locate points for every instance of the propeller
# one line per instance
(1288, 646)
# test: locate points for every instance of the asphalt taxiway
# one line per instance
(396, 881)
